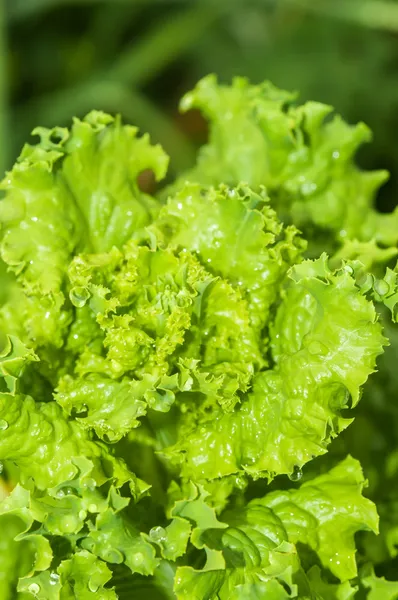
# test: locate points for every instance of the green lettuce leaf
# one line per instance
(85, 515)
(378, 587)
(325, 341)
(155, 323)
(264, 547)
(83, 576)
(74, 190)
(158, 358)
(260, 137)
(15, 558)
(324, 590)
(237, 236)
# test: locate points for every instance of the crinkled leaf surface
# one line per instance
(187, 346)
(325, 343)
(263, 547)
(260, 137)
(73, 190)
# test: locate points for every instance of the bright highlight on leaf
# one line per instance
(162, 362)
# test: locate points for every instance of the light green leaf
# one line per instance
(172, 539)
(84, 576)
(325, 513)
(237, 236)
(15, 557)
(252, 551)
(103, 159)
(115, 415)
(378, 587)
(14, 355)
(258, 136)
(115, 540)
(325, 340)
(42, 443)
(74, 190)
(329, 591)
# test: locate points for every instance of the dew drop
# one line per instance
(381, 287)
(79, 296)
(93, 586)
(69, 523)
(92, 508)
(3, 425)
(65, 491)
(54, 578)
(297, 474)
(34, 588)
(1, 468)
(240, 482)
(158, 534)
(82, 515)
(89, 484)
(114, 556)
(138, 559)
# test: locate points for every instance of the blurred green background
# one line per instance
(60, 58)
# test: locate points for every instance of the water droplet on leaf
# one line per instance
(381, 287)
(138, 559)
(114, 556)
(93, 585)
(240, 482)
(34, 588)
(69, 524)
(65, 491)
(79, 296)
(158, 534)
(89, 483)
(3, 425)
(54, 578)
(297, 474)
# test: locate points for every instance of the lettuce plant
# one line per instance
(172, 366)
